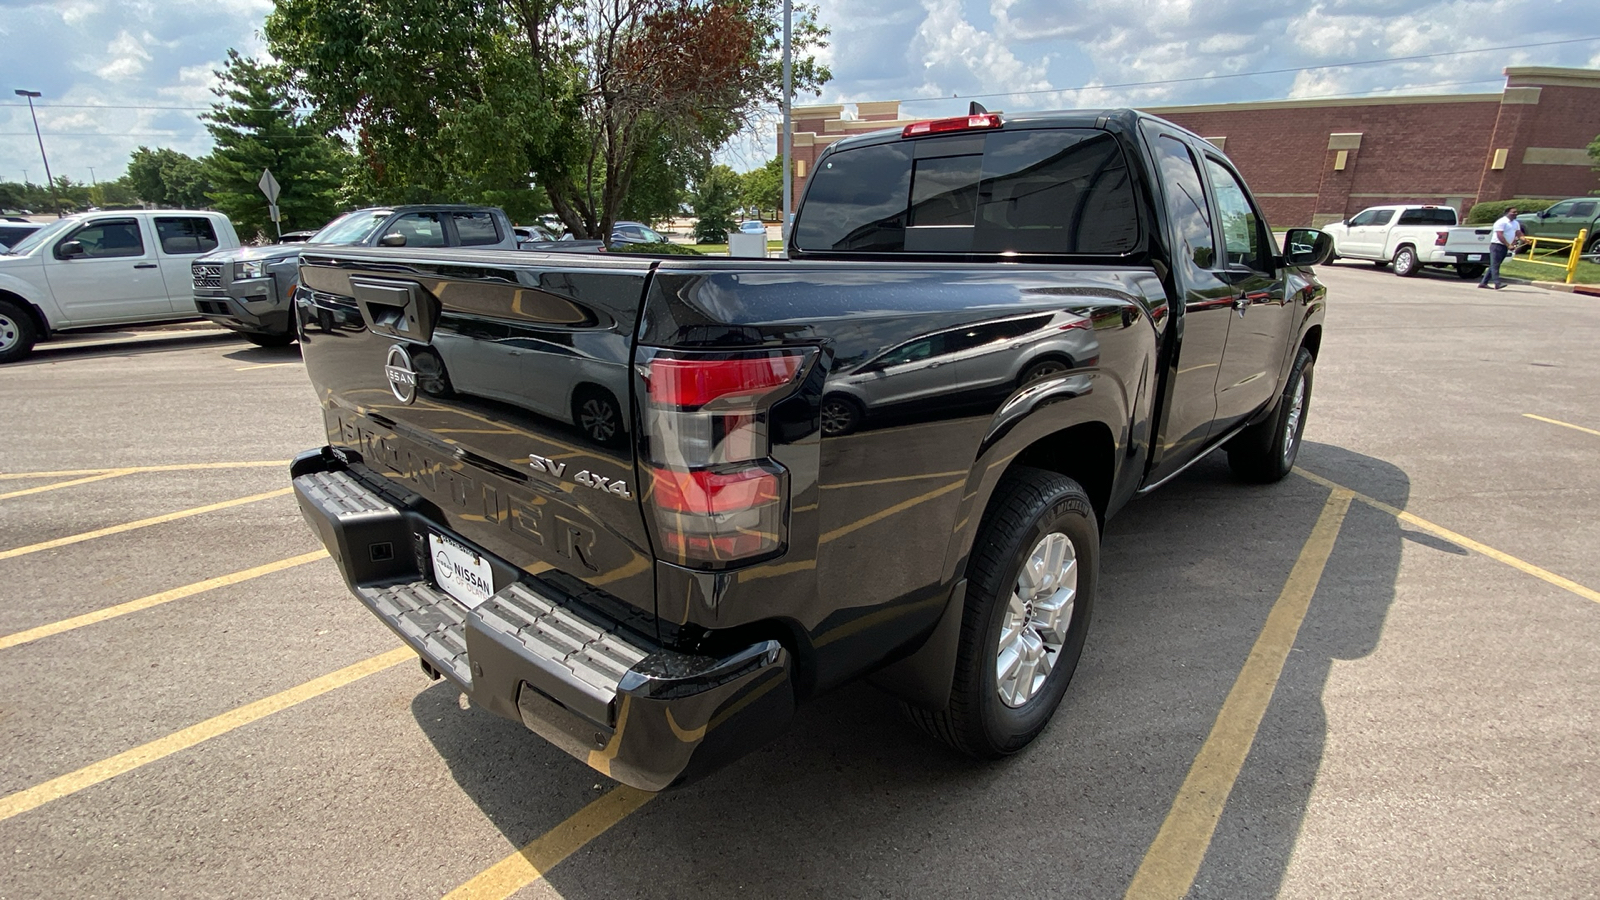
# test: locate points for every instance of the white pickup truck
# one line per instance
(1408, 236)
(104, 268)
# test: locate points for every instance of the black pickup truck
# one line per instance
(645, 506)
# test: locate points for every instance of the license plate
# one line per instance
(462, 573)
(1480, 258)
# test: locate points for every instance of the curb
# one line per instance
(1591, 290)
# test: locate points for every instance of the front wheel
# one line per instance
(1265, 452)
(1594, 247)
(17, 332)
(1030, 589)
(1406, 263)
(840, 416)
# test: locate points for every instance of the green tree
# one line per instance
(714, 198)
(256, 127)
(586, 98)
(762, 188)
(1594, 154)
(166, 178)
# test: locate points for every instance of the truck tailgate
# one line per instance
(500, 397)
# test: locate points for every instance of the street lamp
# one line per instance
(47, 177)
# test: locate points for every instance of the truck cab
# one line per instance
(103, 268)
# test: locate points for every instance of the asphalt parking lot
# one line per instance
(1375, 679)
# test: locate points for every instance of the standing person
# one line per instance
(1507, 232)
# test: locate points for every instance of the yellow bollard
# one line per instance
(1577, 250)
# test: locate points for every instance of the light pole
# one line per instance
(788, 122)
(47, 178)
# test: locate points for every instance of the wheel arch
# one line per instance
(1313, 340)
(30, 308)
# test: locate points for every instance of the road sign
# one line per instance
(269, 186)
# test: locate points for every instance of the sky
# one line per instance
(117, 75)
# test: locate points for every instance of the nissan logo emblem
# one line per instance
(402, 377)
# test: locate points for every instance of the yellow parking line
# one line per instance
(543, 853)
(143, 603)
(114, 473)
(129, 470)
(1562, 424)
(142, 523)
(1542, 574)
(144, 754)
(879, 516)
(1170, 865)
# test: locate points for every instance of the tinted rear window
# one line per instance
(1441, 216)
(1033, 191)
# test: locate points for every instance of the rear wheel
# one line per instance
(1265, 452)
(840, 415)
(1030, 588)
(269, 340)
(1046, 368)
(17, 332)
(1406, 263)
(597, 415)
(1594, 246)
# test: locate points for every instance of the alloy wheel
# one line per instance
(1037, 619)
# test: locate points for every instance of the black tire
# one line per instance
(597, 415)
(1406, 263)
(1468, 270)
(1265, 452)
(1029, 505)
(269, 340)
(840, 415)
(18, 333)
(1594, 246)
(1044, 368)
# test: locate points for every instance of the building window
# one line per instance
(799, 168)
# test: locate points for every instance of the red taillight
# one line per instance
(725, 382)
(717, 495)
(1440, 240)
(955, 123)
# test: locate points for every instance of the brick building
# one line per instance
(1318, 161)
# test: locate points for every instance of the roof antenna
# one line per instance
(975, 108)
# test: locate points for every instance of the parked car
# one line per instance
(11, 233)
(295, 237)
(1563, 221)
(658, 605)
(1403, 235)
(109, 268)
(248, 289)
(752, 226)
(635, 233)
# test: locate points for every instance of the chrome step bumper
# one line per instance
(647, 716)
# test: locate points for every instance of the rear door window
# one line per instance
(421, 229)
(1443, 215)
(1040, 191)
(185, 235)
(476, 228)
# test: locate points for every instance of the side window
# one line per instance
(1186, 202)
(109, 238)
(915, 351)
(179, 235)
(1365, 217)
(1241, 226)
(1564, 208)
(1584, 210)
(1382, 216)
(475, 229)
(1428, 216)
(423, 229)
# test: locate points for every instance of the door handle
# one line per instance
(1241, 303)
(144, 265)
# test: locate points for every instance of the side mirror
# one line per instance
(1307, 247)
(392, 239)
(70, 250)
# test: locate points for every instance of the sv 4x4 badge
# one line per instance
(586, 478)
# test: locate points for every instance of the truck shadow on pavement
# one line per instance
(854, 802)
(118, 344)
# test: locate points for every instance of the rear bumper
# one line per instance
(646, 716)
(261, 311)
